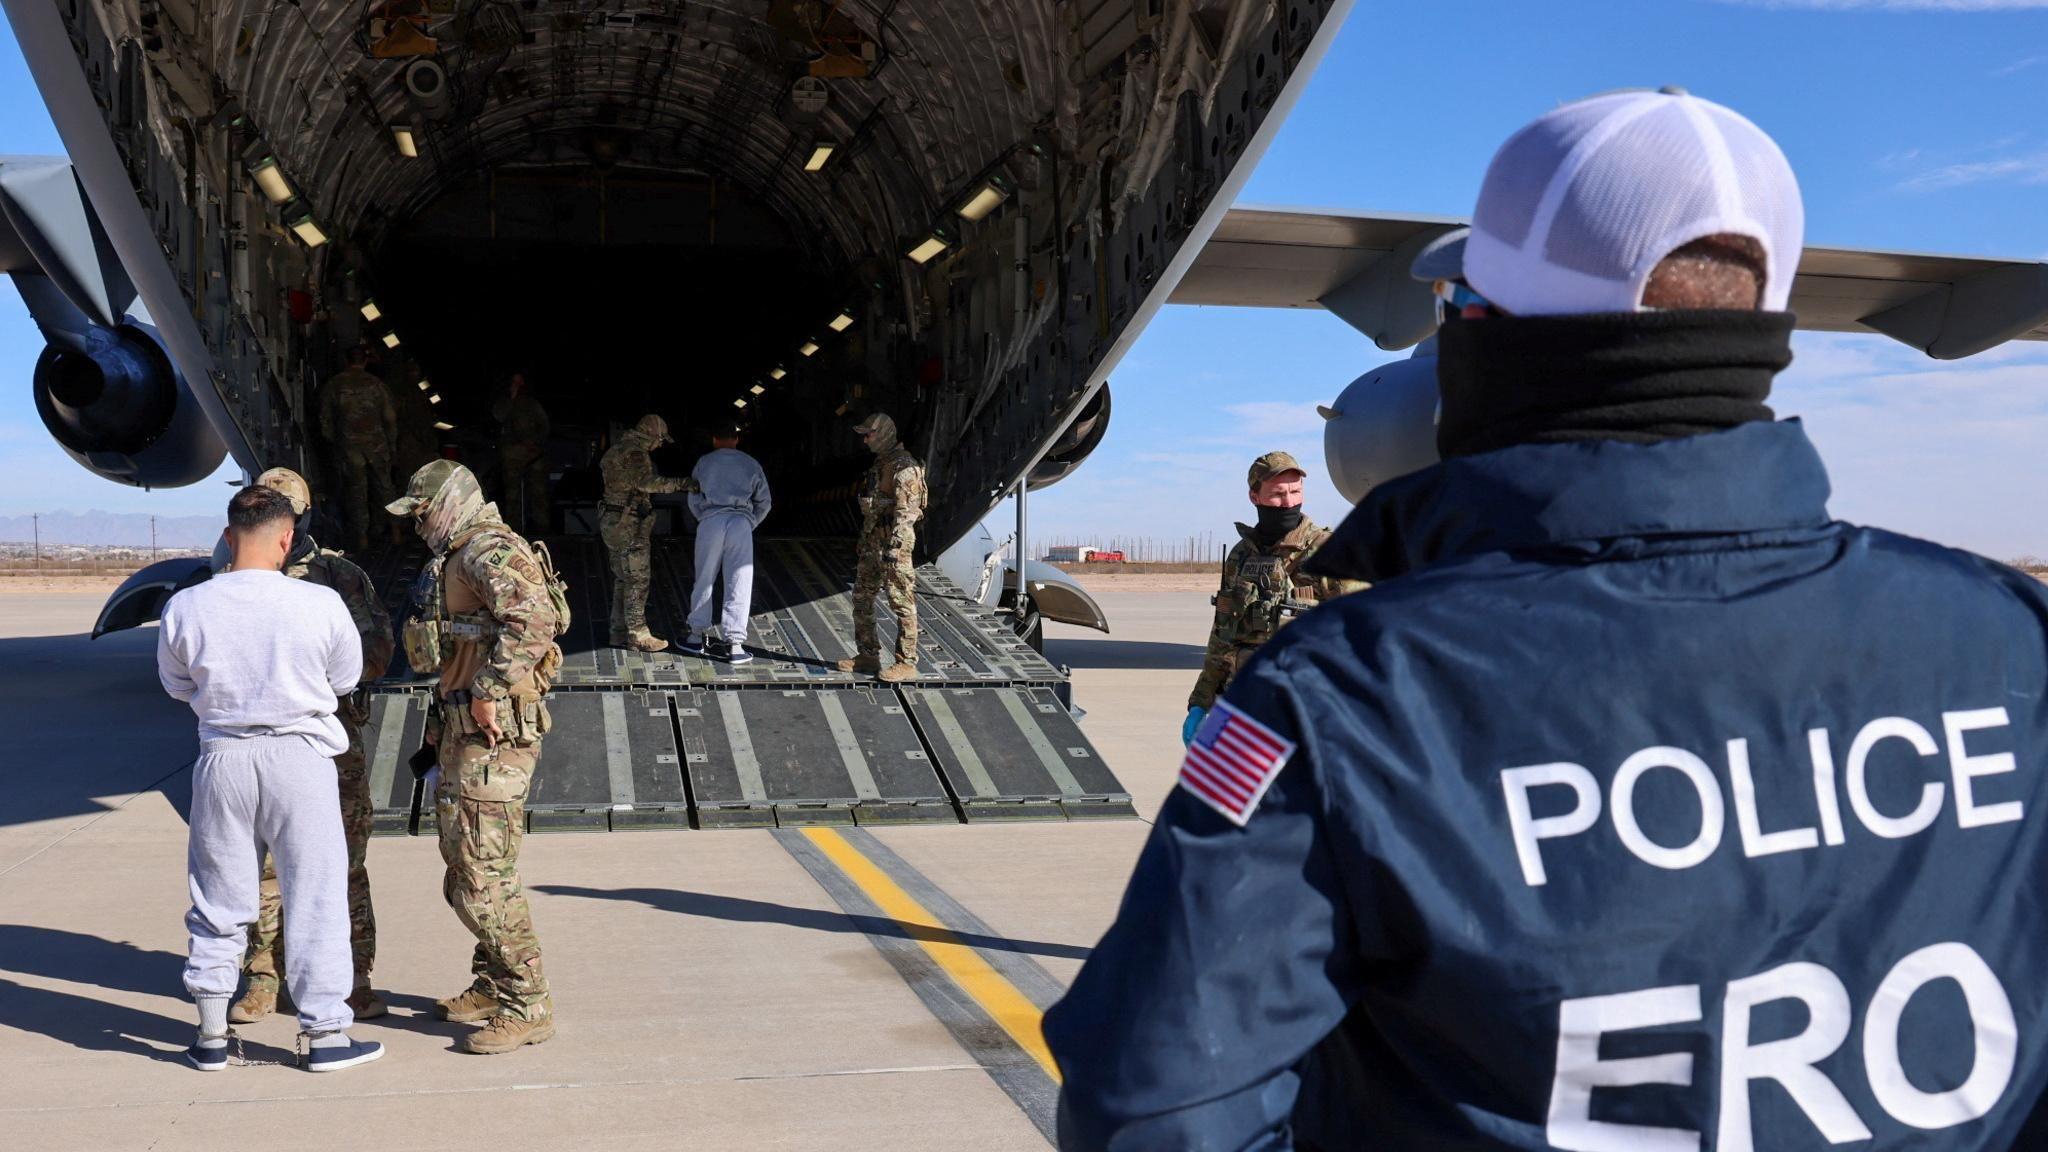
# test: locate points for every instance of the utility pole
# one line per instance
(152, 539)
(35, 520)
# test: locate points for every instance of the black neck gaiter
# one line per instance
(303, 544)
(1275, 523)
(1638, 377)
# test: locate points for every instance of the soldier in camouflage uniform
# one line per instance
(626, 524)
(892, 499)
(359, 423)
(1262, 586)
(264, 961)
(523, 428)
(493, 614)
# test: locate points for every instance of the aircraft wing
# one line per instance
(1356, 266)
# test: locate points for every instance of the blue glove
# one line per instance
(1192, 724)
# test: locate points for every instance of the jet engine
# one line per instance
(113, 401)
(1074, 445)
(1383, 425)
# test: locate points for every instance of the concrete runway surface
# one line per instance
(790, 989)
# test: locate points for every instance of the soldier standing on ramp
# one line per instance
(494, 610)
(264, 960)
(523, 428)
(626, 525)
(892, 502)
(1263, 587)
(359, 423)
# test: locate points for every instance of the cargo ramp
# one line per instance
(668, 740)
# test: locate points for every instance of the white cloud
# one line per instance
(2028, 169)
(1274, 418)
(2018, 66)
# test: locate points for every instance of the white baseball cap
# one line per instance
(1581, 205)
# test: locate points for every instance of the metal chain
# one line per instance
(242, 1060)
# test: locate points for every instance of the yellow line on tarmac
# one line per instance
(1009, 1008)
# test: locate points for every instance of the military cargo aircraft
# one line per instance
(790, 211)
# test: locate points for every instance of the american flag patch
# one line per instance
(1232, 761)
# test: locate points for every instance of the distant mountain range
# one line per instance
(113, 529)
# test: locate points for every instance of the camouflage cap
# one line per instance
(424, 485)
(1270, 465)
(653, 427)
(290, 485)
(878, 422)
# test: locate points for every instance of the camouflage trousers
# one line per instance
(365, 489)
(481, 811)
(885, 568)
(264, 961)
(523, 474)
(627, 542)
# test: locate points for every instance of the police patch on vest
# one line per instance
(1231, 762)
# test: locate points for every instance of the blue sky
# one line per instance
(1913, 125)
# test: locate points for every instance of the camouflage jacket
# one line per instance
(492, 582)
(892, 494)
(357, 412)
(521, 421)
(1262, 590)
(630, 478)
(330, 569)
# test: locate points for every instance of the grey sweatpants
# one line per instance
(276, 793)
(725, 548)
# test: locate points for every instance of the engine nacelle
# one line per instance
(1383, 425)
(1081, 438)
(114, 403)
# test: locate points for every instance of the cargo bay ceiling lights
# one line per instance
(986, 198)
(302, 225)
(424, 385)
(777, 372)
(391, 339)
(739, 403)
(841, 322)
(810, 348)
(756, 390)
(821, 154)
(443, 426)
(433, 397)
(937, 241)
(401, 135)
(268, 176)
(371, 312)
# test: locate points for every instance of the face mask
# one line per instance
(1277, 522)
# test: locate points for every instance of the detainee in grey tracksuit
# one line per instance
(730, 502)
(263, 660)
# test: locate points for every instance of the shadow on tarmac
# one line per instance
(85, 1021)
(746, 911)
(88, 726)
(1137, 654)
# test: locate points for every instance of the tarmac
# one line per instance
(791, 989)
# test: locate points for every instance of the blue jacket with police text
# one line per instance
(1638, 807)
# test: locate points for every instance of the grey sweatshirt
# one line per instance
(261, 654)
(731, 481)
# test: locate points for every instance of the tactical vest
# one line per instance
(878, 487)
(1272, 590)
(431, 638)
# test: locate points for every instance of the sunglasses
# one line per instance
(1453, 297)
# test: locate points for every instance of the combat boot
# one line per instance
(367, 1005)
(508, 1033)
(861, 665)
(898, 672)
(259, 1001)
(646, 642)
(476, 1003)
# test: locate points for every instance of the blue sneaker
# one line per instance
(339, 1056)
(207, 1059)
(737, 654)
(692, 644)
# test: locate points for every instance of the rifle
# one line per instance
(422, 763)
